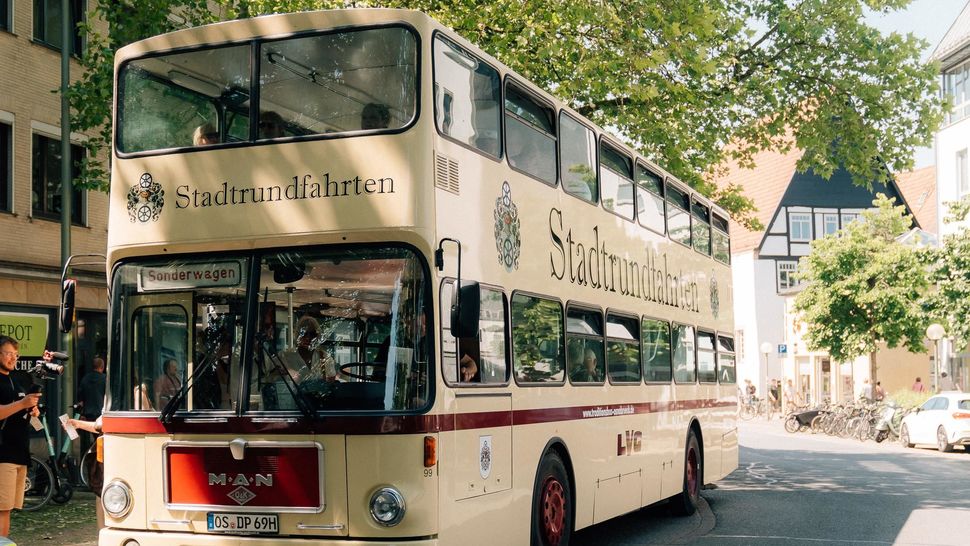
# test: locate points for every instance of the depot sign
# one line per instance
(29, 329)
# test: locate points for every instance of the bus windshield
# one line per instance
(320, 84)
(315, 330)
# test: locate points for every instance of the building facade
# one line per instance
(30, 182)
(797, 208)
(952, 149)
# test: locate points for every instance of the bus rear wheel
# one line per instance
(686, 502)
(552, 504)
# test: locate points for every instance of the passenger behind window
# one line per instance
(468, 364)
(375, 116)
(167, 384)
(205, 135)
(589, 372)
(271, 124)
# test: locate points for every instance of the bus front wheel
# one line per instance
(686, 502)
(552, 504)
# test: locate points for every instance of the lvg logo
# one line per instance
(629, 442)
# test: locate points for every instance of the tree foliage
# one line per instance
(950, 303)
(863, 287)
(677, 79)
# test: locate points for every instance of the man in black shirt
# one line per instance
(91, 395)
(15, 406)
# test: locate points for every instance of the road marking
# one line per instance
(799, 539)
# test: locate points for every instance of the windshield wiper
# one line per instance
(173, 404)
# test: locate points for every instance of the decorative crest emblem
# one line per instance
(715, 299)
(507, 241)
(145, 200)
(241, 495)
(485, 456)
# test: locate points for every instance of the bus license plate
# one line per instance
(228, 522)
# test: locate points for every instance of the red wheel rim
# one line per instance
(553, 510)
(692, 473)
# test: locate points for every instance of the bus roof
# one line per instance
(288, 24)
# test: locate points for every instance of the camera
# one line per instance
(45, 370)
(48, 370)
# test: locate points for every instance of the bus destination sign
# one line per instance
(183, 276)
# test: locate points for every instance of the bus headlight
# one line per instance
(116, 499)
(387, 506)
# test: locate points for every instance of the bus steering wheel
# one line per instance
(377, 375)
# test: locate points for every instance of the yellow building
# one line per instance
(30, 181)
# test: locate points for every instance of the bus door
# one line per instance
(159, 334)
(477, 371)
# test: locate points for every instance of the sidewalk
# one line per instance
(71, 524)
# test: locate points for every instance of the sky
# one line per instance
(929, 20)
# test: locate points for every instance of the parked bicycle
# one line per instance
(53, 479)
(56, 478)
(756, 407)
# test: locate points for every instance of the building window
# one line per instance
(47, 23)
(963, 184)
(47, 179)
(848, 217)
(800, 227)
(786, 274)
(5, 18)
(6, 169)
(956, 83)
(739, 339)
(830, 224)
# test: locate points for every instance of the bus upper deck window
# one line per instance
(530, 135)
(616, 181)
(173, 101)
(467, 98)
(339, 82)
(577, 149)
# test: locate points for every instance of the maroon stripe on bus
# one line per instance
(400, 424)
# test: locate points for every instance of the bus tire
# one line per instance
(552, 503)
(686, 502)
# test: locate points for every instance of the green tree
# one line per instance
(950, 302)
(678, 79)
(864, 287)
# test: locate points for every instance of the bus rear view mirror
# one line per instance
(66, 317)
(288, 273)
(465, 309)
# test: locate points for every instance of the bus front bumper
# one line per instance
(124, 537)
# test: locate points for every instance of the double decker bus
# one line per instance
(368, 285)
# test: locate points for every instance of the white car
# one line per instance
(943, 420)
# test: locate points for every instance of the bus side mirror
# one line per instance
(465, 307)
(67, 305)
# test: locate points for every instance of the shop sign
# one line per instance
(29, 329)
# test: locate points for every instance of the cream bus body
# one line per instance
(623, 443)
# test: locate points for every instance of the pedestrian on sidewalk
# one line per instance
(15, 407)
(918, 385)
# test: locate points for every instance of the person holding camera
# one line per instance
(16, 405)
